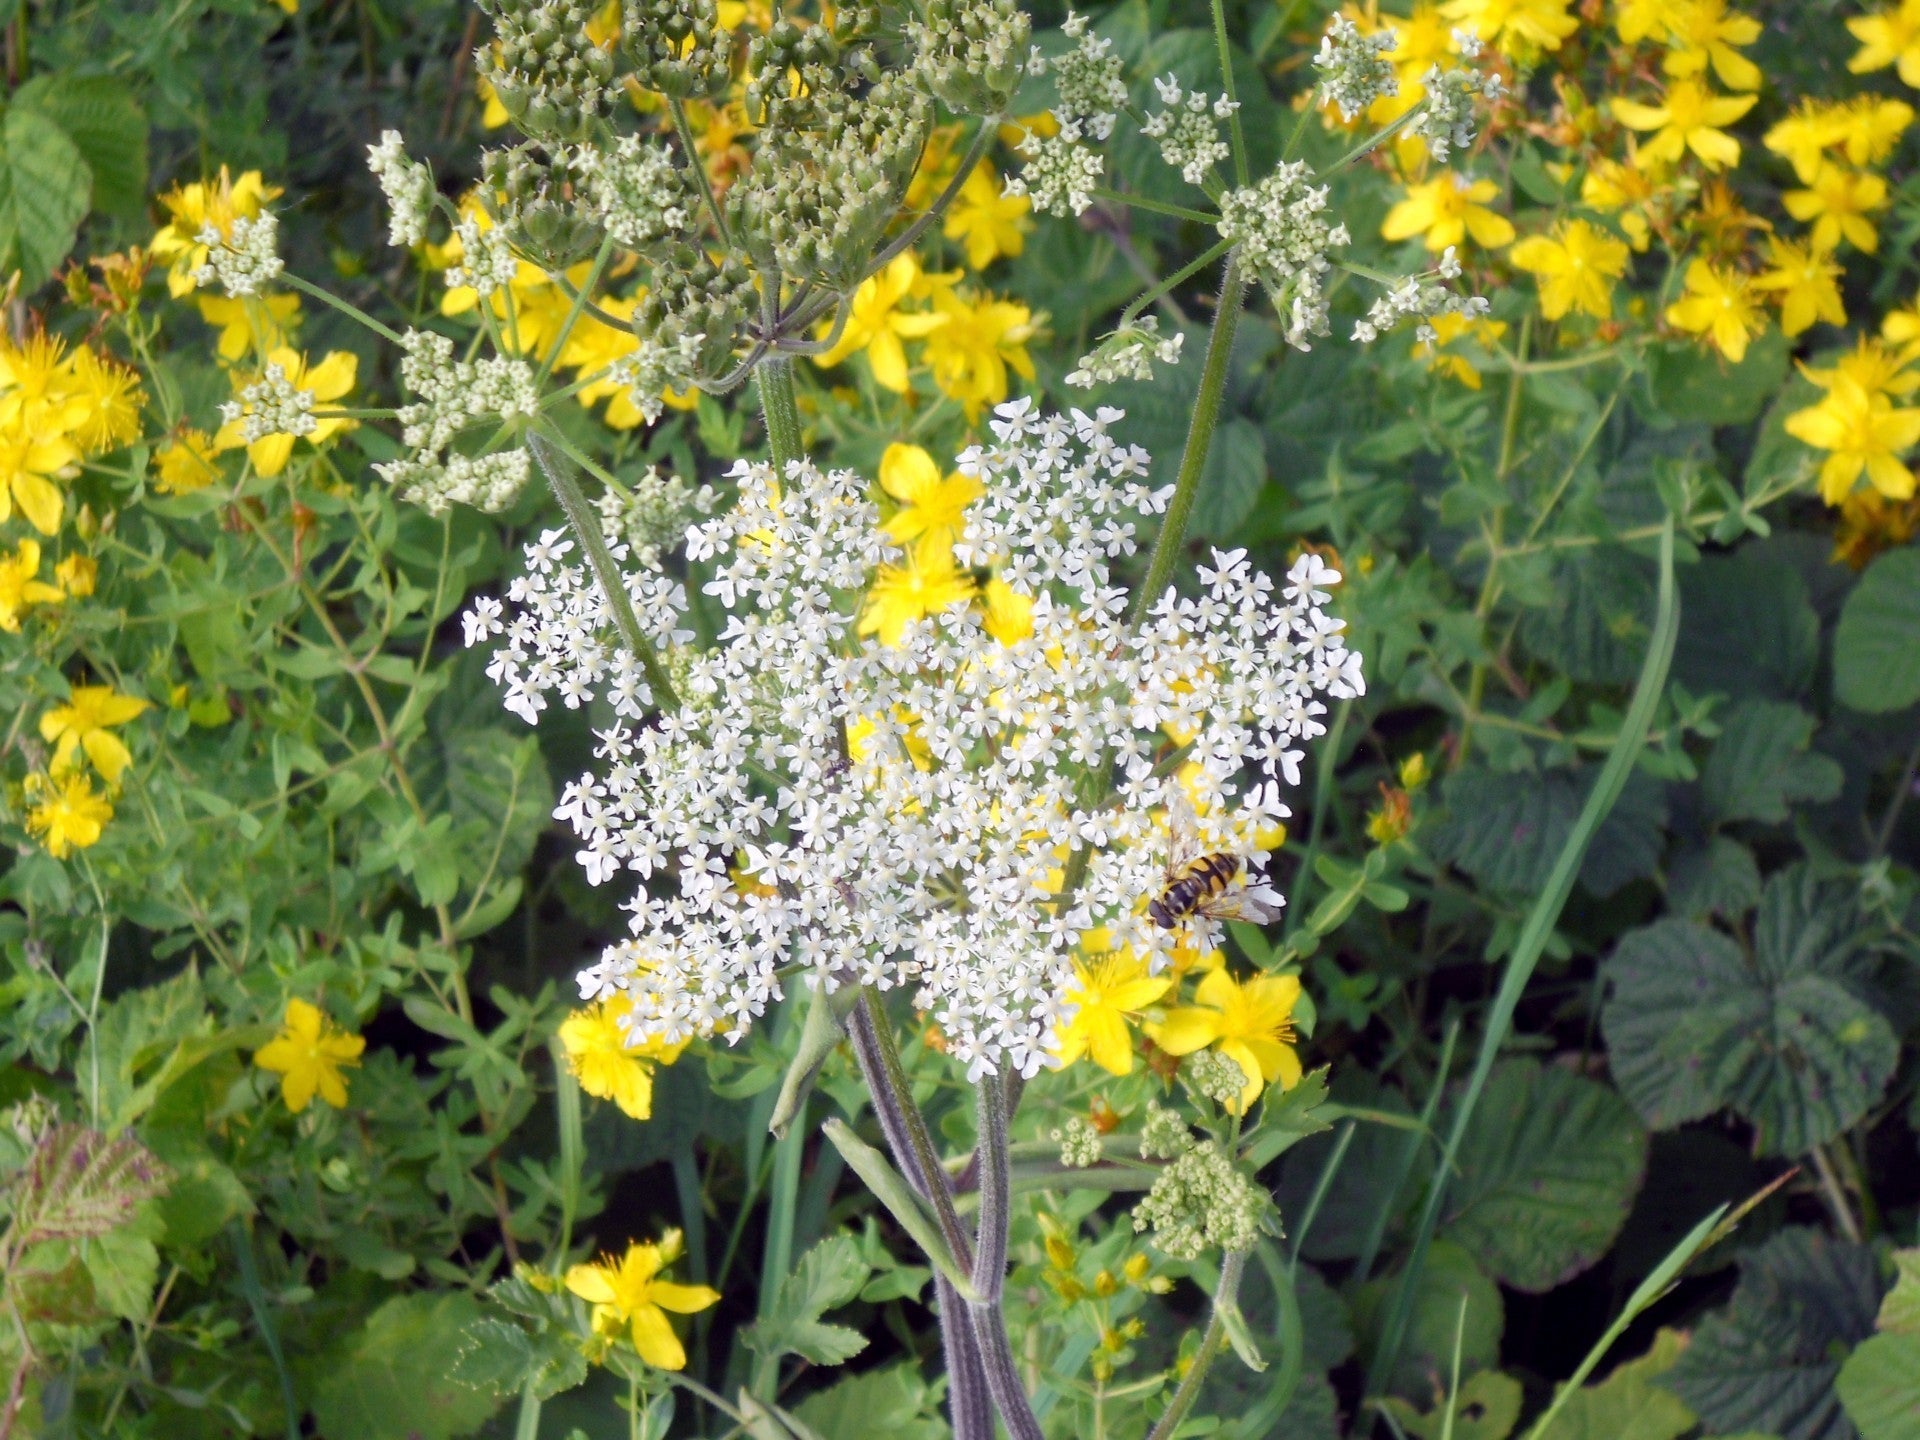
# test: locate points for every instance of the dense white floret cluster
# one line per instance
(244, 260)
(450, 395)
(1127, 354)
(1188, 130)
(1285, 235)
(408, 186)
(823, 807)
(1354, 69)
(271, 405)
(1421, 298)
(1062, 170)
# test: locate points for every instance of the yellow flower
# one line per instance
(19, 588)
(929, 506)
(938, 162)
(243, 319)
(607, 1066)
(1805, 280)
(975, 344)
(1008, 613)
(186, 462)
(1638, 20)
(29, 463)
(925, 585)
(628, 1294)
(876, 324)
(1889, 37)
(1443, 211)
(86, 722)
(1720, 305)
(1812, 128)
(77, 575)
(1250, 1023)
(1862, 431)
(1837, 201)
(194, 207)
(1621, 188)
(1446, 330)
(37, 389)
(990, 223)
(1113, 986)
(1517, 27)
(308, 1054)
(1873, 127)
(332, 378)
(112, 396)
(1870, 523)
(1577, 264)
(1691, 119)
(492, 113)
(1701, 32)
(66, 815)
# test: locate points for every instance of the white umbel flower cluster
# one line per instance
(486, 259)
(272, 405)
(1061, 170)
(1127, 354)
(449, 395)
(556, 642)
(635, 190)
(1447, 120)
(1281, 226)
(408, 186)
(655, 366)
(653, 515)
(1189, 129)
(246, 259)
(1420, 297)
(1354, 69)
(824, 807)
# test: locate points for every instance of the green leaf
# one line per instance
(1485, 1409)
(1548, 1170)
(1784, 1037)
(1768, 1361)
(828, 1276)
(1449, 1276)
(1627, 1405)
(1900, 1311)
(1235, 475)
(1876, 648)
(79, 1184)
(44, 185)
(124, 1264)
(100, 116)
(1761, 764)
(894, 1394)
(1505, 830)
(1879, 1387)
(1747, 627)
(392, 1380)
(1721, 880)
(500, 1358)
(1691, 383)
(1595, 626)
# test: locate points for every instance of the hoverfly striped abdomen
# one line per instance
(1192, 885)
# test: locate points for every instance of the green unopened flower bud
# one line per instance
(551, 77)
(677, 46)
(1200, 1202)
(972, 54)
(536, 199)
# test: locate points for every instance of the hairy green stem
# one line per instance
(586, 529)
(990, 1265)
(1211, 1344)
(781, 412)
(872, 1026)
(1193, 460)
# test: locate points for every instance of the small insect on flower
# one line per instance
(1211, 885)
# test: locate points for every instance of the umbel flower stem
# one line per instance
(990, 1264)
(1193, 460)
(586, 529)
(781, 411)
(1211, 1344)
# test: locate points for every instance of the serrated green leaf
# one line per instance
(828, 1276)
(100, 115)
(1627, 1405)
(392, 1378)
(1768, 1361)
(853, 1406)
(499, 1358)
(1485, 1409)
(1876, 648)
(1548, 1170)
(1879, 1387)
(1596, 623)
(1449, 1276)
(1235, 475)
(1691, 383)
(124, 1265)
(1505, 830)
(1761, 764)
(1747, 627)
(1721, 879)
(80, 1184)
(44, 187)
(1783, 1037)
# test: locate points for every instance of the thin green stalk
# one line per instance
(1533, 939)
(586, 529)
(685, 132)
(1157, 207)
(1238, 135)
(354, 312)
(1321, 1186)
(580, 301)
(256, 1298)
(1328, 758)
(781, 412)
(1211, 1344)
(893, 1076)
(904, 241)
(986, 1309)
(1182, 275)
(1193, 460)
(566, 1104)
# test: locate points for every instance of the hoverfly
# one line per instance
(1212, 885)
